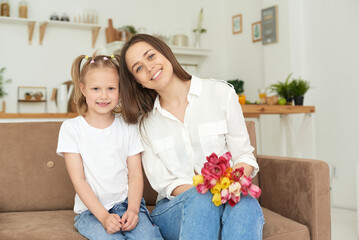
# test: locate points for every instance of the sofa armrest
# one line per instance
(298, 189)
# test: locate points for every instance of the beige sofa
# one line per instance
(36, 194)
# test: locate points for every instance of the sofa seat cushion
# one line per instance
(39, 225)
(281, 228)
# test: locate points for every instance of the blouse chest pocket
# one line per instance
(164, 148)
(212, 136)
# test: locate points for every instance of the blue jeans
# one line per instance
(88, 225)
(192, 215)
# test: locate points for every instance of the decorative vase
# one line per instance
(298, 100)
(197, 41)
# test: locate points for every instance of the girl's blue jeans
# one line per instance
(192, 216)
(88, 225)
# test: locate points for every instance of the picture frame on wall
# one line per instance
(237, 24)
(257, 31)
(269, 25)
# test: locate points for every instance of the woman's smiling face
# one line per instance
(150, 68)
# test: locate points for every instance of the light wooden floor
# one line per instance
(344, 224)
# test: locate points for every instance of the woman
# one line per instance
(184, 119)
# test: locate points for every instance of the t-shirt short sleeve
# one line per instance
(135, 145)
(67, 142)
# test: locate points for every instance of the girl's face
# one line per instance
(101, 90)
(150, 68)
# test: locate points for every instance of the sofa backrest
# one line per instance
(33, 177)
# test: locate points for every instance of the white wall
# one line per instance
(331, 36)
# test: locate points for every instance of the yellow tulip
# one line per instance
(197, 180)
(225, 182)
(216, 199)
(216, 188)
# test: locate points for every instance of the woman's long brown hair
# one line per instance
(137, 101)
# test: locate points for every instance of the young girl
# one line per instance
(102, 155)
(185, 119)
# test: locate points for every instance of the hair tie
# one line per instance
(86, 57)
(112, 56)
(105, 58)
(92, 61)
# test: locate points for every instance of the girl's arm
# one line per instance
(74, 165)
(135, 191)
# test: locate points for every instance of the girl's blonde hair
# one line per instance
(78, 75)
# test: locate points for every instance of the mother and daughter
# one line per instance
(143, 104)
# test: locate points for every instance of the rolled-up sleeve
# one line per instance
(237, 137)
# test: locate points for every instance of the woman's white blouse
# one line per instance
(213, 122)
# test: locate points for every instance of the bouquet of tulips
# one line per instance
(225, 184)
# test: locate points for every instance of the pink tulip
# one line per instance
(213, 159)
(210, 182)
(201, 188)
(254, 191)
(233, 200)
(227, 156)
(223, 168)
(224, 195)
(246, 181)
(238, 173)
(208, 173)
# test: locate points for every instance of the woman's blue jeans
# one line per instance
(88, 225)
(192, 216)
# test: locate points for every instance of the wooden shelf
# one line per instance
(255, 110)
(94, 28)
(30, 24)
(37, 115)
(31, 101)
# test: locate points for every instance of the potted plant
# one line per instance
(126, 32)
(238, 87)
(2, 92)
(284, 89)
(38, 95)
(299, 87)
(28, 95)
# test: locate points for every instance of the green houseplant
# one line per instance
(2, 91)
(238, 87)
(298, 88)
(283, 89)
(2, 82)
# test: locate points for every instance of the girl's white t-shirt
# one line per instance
(104, 154)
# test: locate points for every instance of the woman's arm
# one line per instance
(135, 191)
(74, 165)
(237, 138)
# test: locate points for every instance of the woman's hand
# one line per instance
(112, 223)
(129, 220)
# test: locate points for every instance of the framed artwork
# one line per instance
(269, 25)
(256, 31)
(237, 24)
